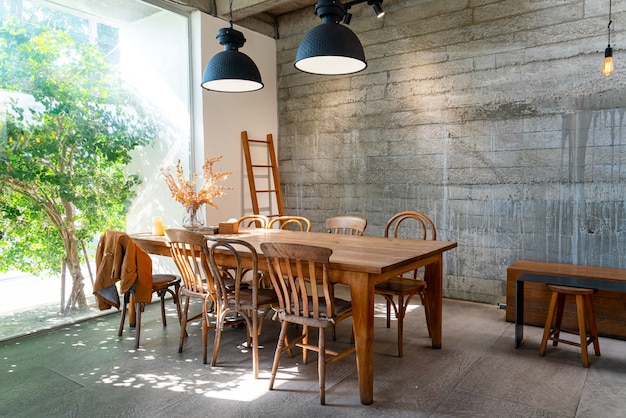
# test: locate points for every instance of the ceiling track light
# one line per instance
(231, 71)
(376, 5)
(607, 66)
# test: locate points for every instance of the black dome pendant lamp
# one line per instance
(330, 48)
(231, 71)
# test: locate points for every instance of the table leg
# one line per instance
(362, 294)
(519, 313)
(434, 287)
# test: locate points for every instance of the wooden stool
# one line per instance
(584, 310)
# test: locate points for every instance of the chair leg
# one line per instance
(183, 326)
(548, 326)
(305, 340)
(279, 352)
(424, 298)
(176, 298)
(219, 326)
(400, 312)
(255, 343)
(388, 312)
(138, 310)
(321, 365)
(161, 294)
(123, 317)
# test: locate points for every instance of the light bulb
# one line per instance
(607, 67)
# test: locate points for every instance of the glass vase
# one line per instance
(194, 218)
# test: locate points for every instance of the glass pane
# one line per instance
(65, 56)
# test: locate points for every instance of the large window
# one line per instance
(146, 46)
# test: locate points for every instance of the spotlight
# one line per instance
(378, 9)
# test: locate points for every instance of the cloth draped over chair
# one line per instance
(118, 258)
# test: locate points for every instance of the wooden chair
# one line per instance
(299, 223)
(190, 255)
(253, 221)
(584, 308)
(239, 299)
(404, 288)
(162, 284)
(348, 225)
(116, 248)
(299, 274)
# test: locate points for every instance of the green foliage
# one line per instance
(64, 145)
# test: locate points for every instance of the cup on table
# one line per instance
(157, 226)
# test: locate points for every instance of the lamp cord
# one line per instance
(230, 17)
(610, 21)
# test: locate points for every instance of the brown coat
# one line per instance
(118, 258)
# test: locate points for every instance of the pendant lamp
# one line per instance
(607, 66)
(231, 71)
(330, 48)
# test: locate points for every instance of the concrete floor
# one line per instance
(85, 370)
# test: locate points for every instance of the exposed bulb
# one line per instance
(607, 67)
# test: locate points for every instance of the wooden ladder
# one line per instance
(255, 172)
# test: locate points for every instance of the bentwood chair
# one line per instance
(191, 257)
(299, 274)
(162, 284)
(239, 299)
(116, 254)
(298, 223)
(404, 225)
(253, 221)
(348, 225)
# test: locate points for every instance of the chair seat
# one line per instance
(265, 296)
(162, 281)
(399, 285)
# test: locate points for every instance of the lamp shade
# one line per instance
(330, 48)
(231, 71)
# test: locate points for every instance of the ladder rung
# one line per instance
(261, 166)
(258, 141)
(266, 191)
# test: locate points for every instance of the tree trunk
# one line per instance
(78, 281)
(72, 262)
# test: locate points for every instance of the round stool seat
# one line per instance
(569, 290)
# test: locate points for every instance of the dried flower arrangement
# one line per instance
(184, 191)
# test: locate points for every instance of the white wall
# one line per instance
(219, 118)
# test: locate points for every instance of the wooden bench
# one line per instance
(528, 297)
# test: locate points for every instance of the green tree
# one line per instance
(66, 140)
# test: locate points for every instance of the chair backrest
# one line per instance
(299, 223)
(229, 279)
(348, 225)
(299, 275)
(253, 221)
(422, 228)
(187, 249)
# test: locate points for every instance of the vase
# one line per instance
(194, 218)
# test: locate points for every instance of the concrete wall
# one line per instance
(492, 117)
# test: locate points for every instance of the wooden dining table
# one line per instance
(360, 262)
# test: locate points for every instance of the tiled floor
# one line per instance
(85, 370)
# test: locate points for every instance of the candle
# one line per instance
(157, 226)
